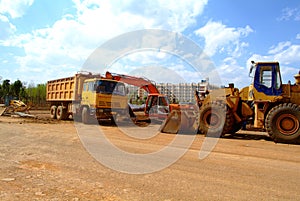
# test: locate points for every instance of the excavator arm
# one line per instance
(157, 105)
(141, 82)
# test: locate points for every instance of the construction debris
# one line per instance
(2, 109)
(16, 108)
(22, 114)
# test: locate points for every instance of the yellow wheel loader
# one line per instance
(265, 104)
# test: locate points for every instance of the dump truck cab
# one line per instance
(104, 98)
(87, 97)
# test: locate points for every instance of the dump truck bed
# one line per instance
(67, 89)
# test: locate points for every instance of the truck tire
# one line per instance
(61, 113)
(77, 117)
(85, 116)
(215, 120)
(283, 122)
(53, 112)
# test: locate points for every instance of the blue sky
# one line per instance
(42, 39)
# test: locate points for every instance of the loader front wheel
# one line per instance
(283, 122)
(215, 120)
(53, 112)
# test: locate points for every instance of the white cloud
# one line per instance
(289, 14)
(298, 36)
(7, 28)
(231, 72)
(15, 8)
(114, 17)
(285, 52)
(70, 40)
(290, 55)
(278, 48)
(220, 38)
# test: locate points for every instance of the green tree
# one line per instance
(16, 88)
(1, 94)
(36, 94)
(23, 94)
(6, 87)
(31, 92)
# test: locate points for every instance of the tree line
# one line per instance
(31, 94)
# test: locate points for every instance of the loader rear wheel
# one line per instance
(53, 112)
(283, 122)
(215, 120)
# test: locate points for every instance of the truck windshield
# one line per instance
(109, 87)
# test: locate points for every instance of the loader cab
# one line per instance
(266, 78)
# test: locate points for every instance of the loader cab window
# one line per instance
(278, 79)
(267, 79)
(266, 76)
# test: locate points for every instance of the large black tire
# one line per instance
(53, 112)
(61, 113)
(283, 122)
(215, 120)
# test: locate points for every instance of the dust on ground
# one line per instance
(43, 159)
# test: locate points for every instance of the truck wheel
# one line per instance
(59, 112)
(85, 115)
(53, 112)
(283, 122)
(77, 117)
(215, 120)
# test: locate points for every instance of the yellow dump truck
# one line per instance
(86, 97)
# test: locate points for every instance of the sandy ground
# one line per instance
(43, 159)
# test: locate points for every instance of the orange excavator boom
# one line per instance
(141, 82)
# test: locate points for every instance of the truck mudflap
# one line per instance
(180, 122)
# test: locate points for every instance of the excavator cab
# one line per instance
(266, 78)
(157, 106)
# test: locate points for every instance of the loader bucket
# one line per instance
(180, 121)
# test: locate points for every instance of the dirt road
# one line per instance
(45, 160)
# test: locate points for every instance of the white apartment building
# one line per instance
(181, 92)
